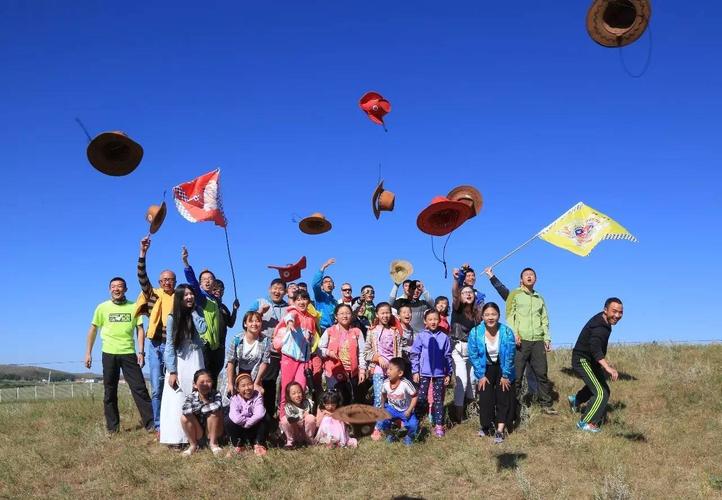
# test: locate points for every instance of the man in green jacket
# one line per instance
(526, 314)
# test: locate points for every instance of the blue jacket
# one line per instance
(507, 351)
(325, 303)
(431, 354)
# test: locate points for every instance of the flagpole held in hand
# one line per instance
(514, 251)
(233, 273)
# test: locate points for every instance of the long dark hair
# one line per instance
(471, 312)
(183, 327)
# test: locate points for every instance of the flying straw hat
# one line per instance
(443, 216)
(616, 23)
(155, 215)
(291, 272)
(382, 200)
(468, 195)
(315, 223)
(360, 414)
(114, 153)
(400, 270)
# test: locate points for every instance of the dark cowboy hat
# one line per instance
(114, 153)
(469, 195)
(616, 23)
(291, 272)
(382, 200)
(375, 106)
(155, 215)
(360, 414)
(315, 223)
(443, 216)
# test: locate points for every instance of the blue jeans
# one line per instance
(155, 357)
(411, 424)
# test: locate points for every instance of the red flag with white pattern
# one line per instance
(199, 200)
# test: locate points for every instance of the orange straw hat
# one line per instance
(442, 216)
(155, 215)
(468, 195)
(315, 223)
(616, 23)
(360, 414)
(114, 153)
(382, 200)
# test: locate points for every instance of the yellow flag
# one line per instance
(581, 228)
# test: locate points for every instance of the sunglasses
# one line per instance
(345, 289)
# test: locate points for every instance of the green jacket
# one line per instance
(526, 314)
(213, 318)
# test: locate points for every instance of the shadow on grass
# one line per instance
(636, 437)
(406, 497)
(616, 406)
(509, 461)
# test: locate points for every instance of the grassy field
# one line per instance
(663, 440)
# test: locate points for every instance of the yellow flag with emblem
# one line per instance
(581, 228)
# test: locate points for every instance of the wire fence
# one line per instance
(72, 390)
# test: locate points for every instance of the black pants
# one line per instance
(213, 361)
(270, 382)
(533, 352)
(112, 364)
(495, 405)
(349, 391)
(595, 389)
(242, 436)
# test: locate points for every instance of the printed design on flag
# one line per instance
(199, 200)
(584, 231)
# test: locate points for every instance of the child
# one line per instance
(246, 421)
(431, 365)
(441, 304)
(298, 424)
(383, 342)
(332, 432)
(293, 338)
(399, 399)
(407, 332)
(202, 413)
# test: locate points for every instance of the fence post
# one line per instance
(1, 395)
(17, 392)
(36, 393)
(53, 391)
(72, 394)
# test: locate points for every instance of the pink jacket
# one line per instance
(247, 412)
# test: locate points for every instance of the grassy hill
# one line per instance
(37, 373)
(663, 440)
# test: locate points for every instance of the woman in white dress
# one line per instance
(183, 357)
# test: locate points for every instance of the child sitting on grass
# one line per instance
(332, 432)
(399, 398)
(202, 414)
(298, 424)
(431, 365)
(246, 423)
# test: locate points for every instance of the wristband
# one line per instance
(142, 353)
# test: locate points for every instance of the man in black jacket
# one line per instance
(589, 361)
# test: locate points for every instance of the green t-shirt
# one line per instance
(116, 323)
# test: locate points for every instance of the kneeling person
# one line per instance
(398, 397)
(202, 413)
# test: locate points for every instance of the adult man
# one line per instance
(157, 304)
(589, 361)
(117, 320)
(228, 318)
(272, 309)
(213, 350)
(417, 298)
(323, 287)
(364, 309)
(346, 294)
(526, 314)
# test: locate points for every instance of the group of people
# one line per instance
(295, 361)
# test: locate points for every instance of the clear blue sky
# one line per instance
(513, 98)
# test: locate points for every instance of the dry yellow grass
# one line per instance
(663, 440)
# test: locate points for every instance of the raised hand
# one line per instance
(184, 256)
(144, 246)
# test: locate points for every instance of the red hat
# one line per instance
(375, 106)
(443, 216)
(291, 272)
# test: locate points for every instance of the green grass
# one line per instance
(662, 441)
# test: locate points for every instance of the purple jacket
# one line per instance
(247, 412)
(431, 354)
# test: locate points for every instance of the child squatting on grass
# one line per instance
(399, 398)
(298, 424)
(246, 423)
(332, 432)
(202, 414)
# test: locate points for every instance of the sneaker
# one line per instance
(376, 435)
(390, 439)
(573, 403)
(408, 440)
(498, 437)
(588, 427)
(439, 431)
(216, 450)
(259, 450)
(549, 410)
(481, 433)
(189, 451)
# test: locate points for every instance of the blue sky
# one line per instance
(514, 99)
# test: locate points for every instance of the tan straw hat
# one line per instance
(114, 153)
(315, 223)
(400, 270)
(616, 23)
(155, 215)
(468, 195)
(382, 200)
(360, 414)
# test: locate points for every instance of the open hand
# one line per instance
(505, 384)
(482, 383)
(184, 256)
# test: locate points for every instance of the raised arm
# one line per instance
(143, 280)
(502, 290)
(190, 275)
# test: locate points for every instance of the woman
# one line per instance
(248, 352)
(342, 347)
(466, 314)
(492, 350)
(183, 358)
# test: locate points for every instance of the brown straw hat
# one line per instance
(382, 200)
(400, 270)
(114, 153)
(315, 223)
(155, 215)
(616, 23)
(468, 195)
(360, 414)
(443, 216)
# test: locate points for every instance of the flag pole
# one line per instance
(233, 273)
(515, 250)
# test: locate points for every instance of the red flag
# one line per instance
(199, 200)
